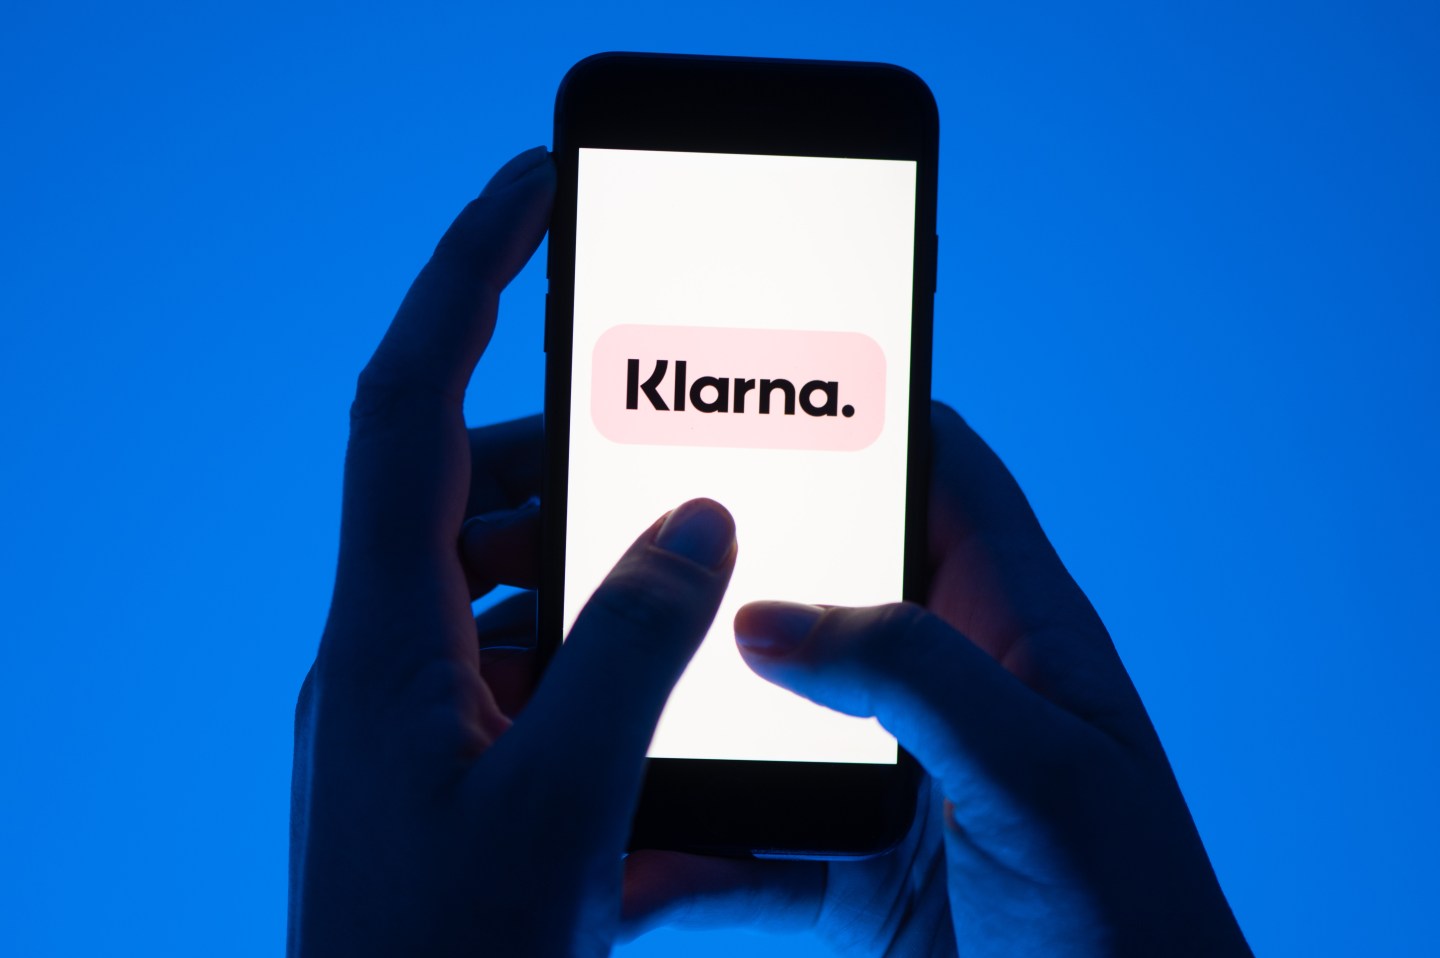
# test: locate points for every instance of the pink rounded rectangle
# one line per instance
(755, 388)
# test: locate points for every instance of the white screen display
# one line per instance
(742, 332)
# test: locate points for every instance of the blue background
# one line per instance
(1188, 289)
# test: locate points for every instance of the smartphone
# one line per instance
(741, 268)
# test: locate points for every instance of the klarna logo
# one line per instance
(755, 388)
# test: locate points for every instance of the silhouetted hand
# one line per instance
(423, 821)
(1051, 823)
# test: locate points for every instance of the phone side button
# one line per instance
(549, 324)
(935, 264)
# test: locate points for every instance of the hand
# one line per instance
(424, 822)
(1051, 822)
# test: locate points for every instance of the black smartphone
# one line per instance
(741, 266)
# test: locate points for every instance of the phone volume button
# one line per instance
(549, 324)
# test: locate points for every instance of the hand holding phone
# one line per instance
(424, 821)
(1050, 821)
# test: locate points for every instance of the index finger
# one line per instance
(407, 466)
(583, 735)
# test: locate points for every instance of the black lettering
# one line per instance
(832, 398)
(787, 389)
(632, 400)
(721, 402)
(742, 386)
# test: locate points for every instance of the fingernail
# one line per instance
(700, 530)
(775, 628)
(516, 168)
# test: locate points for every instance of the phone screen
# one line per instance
(742, 331)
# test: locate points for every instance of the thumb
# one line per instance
(952, 706)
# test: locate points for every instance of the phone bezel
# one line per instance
(764, 106)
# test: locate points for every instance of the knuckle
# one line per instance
(382, 395)
(905, 619)
(442, 682)
(915, 639)
(901, 625)
(374, 394)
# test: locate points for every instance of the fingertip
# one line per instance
(501, 221)
(495, 234)
(448, 315)
(596, 710)
(501, 548)
(481, 530)
(946, 420)
(701, 530)
(939, 409)
(774, 629)
(515, 169)
(648, 887)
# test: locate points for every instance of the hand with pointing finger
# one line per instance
(424, 820)
(444, 803)
(1051, 823)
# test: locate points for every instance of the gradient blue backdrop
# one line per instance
(1188, 289)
